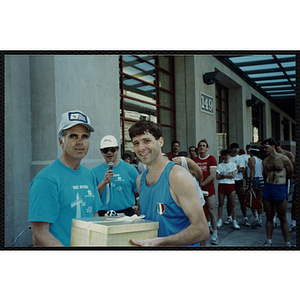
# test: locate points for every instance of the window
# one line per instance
(222, 117)
(286, 129)
(257, 123)
(147, 92)
(275, 120)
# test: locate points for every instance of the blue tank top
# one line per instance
(157, 204)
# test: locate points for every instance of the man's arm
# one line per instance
(107, 179)
(194, 170)
(42, 237)
(289, 167)
(265, 172)
(210, 177)
(251, 166)
(183, 190)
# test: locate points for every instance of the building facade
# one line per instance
(115, 91)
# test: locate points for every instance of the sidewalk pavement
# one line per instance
(248, 237)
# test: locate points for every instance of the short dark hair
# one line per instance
(175, 142)
(225, 152)
(203, 141)
(143, 126)
(192, 147)
(271, 142)
(234, 145)
(182, 153)
(126, 155)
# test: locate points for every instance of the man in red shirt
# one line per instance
(208, 166)
(175, 148)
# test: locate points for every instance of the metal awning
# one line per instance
(274, 76)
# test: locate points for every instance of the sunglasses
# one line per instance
(266, 147)
(111, 149)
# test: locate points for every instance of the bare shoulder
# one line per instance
(178, 174)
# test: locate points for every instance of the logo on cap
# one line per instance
(78, 117)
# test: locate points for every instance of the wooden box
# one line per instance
(110, 231)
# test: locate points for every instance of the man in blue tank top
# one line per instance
(64, 190)
(167, 192)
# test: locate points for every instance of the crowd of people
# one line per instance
(173, 189)
(267, 170)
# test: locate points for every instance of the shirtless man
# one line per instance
(291, 156)
(277, 169)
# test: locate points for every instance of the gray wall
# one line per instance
(18, 147)
(38, 89)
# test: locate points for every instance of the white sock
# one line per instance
(229, 218)
(294, 223)
(208, 223)
(260, 217)
(215, 232)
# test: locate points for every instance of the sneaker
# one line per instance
(260, 223)
(268, 244)
(256, 223)
(214, 240)
(228, 221)
(210, 229)
(246, 223)
(235, 225)
(219, 223)
(292, 228)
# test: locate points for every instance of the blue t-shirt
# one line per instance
(120, 195)
(157, 204)
(59, 194)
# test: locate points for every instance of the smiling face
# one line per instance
(147, 148)
(76, 143)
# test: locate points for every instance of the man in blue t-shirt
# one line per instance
(64, 190)
(167, 192)
(116, 184)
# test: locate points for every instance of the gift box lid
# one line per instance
(115, 225)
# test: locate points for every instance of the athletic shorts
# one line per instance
(258, 183)
(239, 184)
(226, 189)
(275, 192)
(210, 188)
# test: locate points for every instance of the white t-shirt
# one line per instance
(239, 162)
(226, 168)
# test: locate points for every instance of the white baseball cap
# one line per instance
(72, 118)
(108, 141)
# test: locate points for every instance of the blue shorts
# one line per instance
(275, 192)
